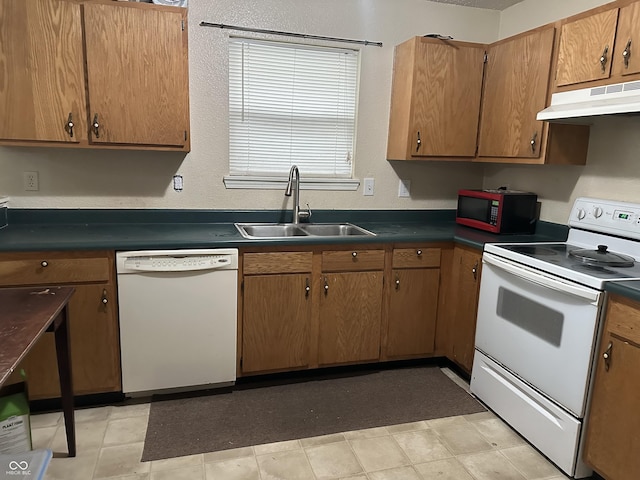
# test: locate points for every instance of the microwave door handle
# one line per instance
(540, 279)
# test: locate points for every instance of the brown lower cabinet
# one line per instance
(93, 321)
(460, 306)
(324, 306)
(276, 311)
(350, 306)
(413, 302)
(613, 423)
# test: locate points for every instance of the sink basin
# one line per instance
(334, 229)
(284, 230)
(269, 230)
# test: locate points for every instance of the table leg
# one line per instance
(63, 355)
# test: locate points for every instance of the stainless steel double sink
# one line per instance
(284, 230)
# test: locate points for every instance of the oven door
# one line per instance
(540, 327)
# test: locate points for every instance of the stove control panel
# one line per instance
(606, 216)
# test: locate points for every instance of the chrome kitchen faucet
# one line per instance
(297, 213)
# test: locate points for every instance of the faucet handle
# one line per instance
(305, 214)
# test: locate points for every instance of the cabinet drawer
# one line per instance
(51, 268)
(352, 260)
(277, 262)
(416, 257)
(623, 319)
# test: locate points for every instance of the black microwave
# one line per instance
(498, 211)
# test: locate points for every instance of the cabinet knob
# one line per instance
(96, 126)
(607, 356)
(354, 254)
(105, 300)
(603, 58)
(474, 270)
(397, 282)
(626, 54)
(418, 142)
(307, 288)
(533, 142)
(326, 286)
(418, 252)
(44, 263)
(70, 125)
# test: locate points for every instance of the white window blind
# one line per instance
(291, 104)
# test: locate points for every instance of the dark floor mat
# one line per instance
(266, 413)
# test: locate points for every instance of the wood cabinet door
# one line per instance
(627, 50)
(137, 75)
(95, 347)
(515, 90)
(466, 278)
(275, 322)
(613, 424)
(413, 310)
(350, 315)
(583, 43)
(41, 71)
(445, 103)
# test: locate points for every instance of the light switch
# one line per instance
(368, 186)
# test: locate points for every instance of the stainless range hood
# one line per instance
(581, 106)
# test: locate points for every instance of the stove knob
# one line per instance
(597, 212)
(581, 213)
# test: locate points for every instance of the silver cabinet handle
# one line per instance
(96, 126)
(44, 263)
(607, 356)
(603, 58)
(626, 54)
(474, 270)
(70, 125)
(533, 141)
(105, 300)
(418, 142)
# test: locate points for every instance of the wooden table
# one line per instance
(25, 314)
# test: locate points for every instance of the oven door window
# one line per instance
(533, 317)
(540, 328)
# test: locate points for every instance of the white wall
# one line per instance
(612, 170)
(109, 179)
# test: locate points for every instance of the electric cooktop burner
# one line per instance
(588, 261)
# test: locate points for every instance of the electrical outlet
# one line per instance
(178, 183)
(368, 186)
(30, 180)
(404, 188)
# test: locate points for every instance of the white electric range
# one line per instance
(539, 317)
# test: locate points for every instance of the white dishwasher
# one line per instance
(177, 319)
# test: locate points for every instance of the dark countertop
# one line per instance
(71, 229)
(88, 229)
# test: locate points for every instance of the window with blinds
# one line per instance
(291, 104)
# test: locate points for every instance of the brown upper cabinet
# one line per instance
(627, 36)
(597, 48)
(94, 74)
(435, 99)
(586, 46)
(441, 88)
(515, 90)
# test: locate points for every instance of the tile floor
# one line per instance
(468, 447)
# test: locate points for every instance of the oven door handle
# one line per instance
(539, 278)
